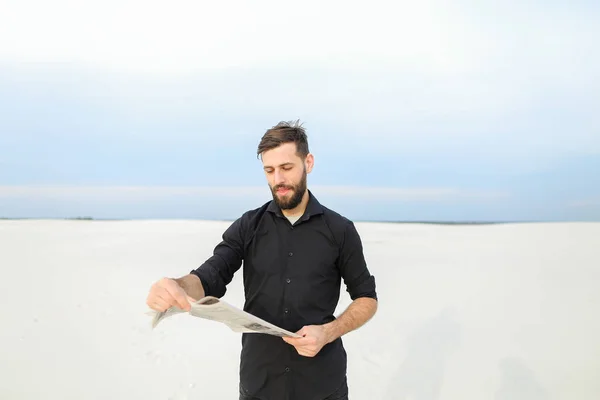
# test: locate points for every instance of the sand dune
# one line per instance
(467, 312)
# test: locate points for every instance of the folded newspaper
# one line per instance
(237, 320)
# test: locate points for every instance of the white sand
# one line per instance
(467, 312)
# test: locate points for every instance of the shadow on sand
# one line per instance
(518, 382)
(420, 375)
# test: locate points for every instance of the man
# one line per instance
(295, 252)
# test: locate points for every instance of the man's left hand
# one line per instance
(314, 337)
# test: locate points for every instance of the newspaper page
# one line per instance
(215, 309)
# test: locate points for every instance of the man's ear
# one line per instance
(309, 162)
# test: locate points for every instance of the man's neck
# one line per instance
(299, 210)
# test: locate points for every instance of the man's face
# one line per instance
(286, 174)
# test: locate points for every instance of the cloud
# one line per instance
(406, 96)
(186, 36)
(121, 193)
(410, 194)
(157, 193)
(150, 36)
(482, 79)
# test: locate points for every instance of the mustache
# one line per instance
(275, 188)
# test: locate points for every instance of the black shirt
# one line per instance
(292, 276)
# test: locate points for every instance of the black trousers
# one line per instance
(339, 394)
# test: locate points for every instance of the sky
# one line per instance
(470, 111)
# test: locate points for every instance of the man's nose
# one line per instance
(279, 178)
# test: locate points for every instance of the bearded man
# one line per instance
(295, 254)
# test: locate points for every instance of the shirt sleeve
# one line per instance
(357, 278)
(218, 270)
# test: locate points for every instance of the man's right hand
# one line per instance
(166, 293)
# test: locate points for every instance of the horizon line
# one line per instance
(383, 221)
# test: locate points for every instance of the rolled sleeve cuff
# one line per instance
(209, 282)
(366, 288)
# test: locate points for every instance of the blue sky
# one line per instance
(414, 111)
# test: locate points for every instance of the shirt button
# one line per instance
(286, 311)
(288, 280)
(290, 254)
(287, 369)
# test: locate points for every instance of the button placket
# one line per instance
(286, 310)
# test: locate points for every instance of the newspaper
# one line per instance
(237, 320)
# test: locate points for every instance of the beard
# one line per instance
(297, 192)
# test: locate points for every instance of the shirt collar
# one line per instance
(312, 208)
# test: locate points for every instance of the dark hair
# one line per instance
(285, 132)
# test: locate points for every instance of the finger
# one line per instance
(158, 304)
(158, 290)
(163, 297)
(289, 340)
(168, 290)
(292, 341)
(305, 353)
(166, 297)
(303, 341)
(161, 289)
(178, 295)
